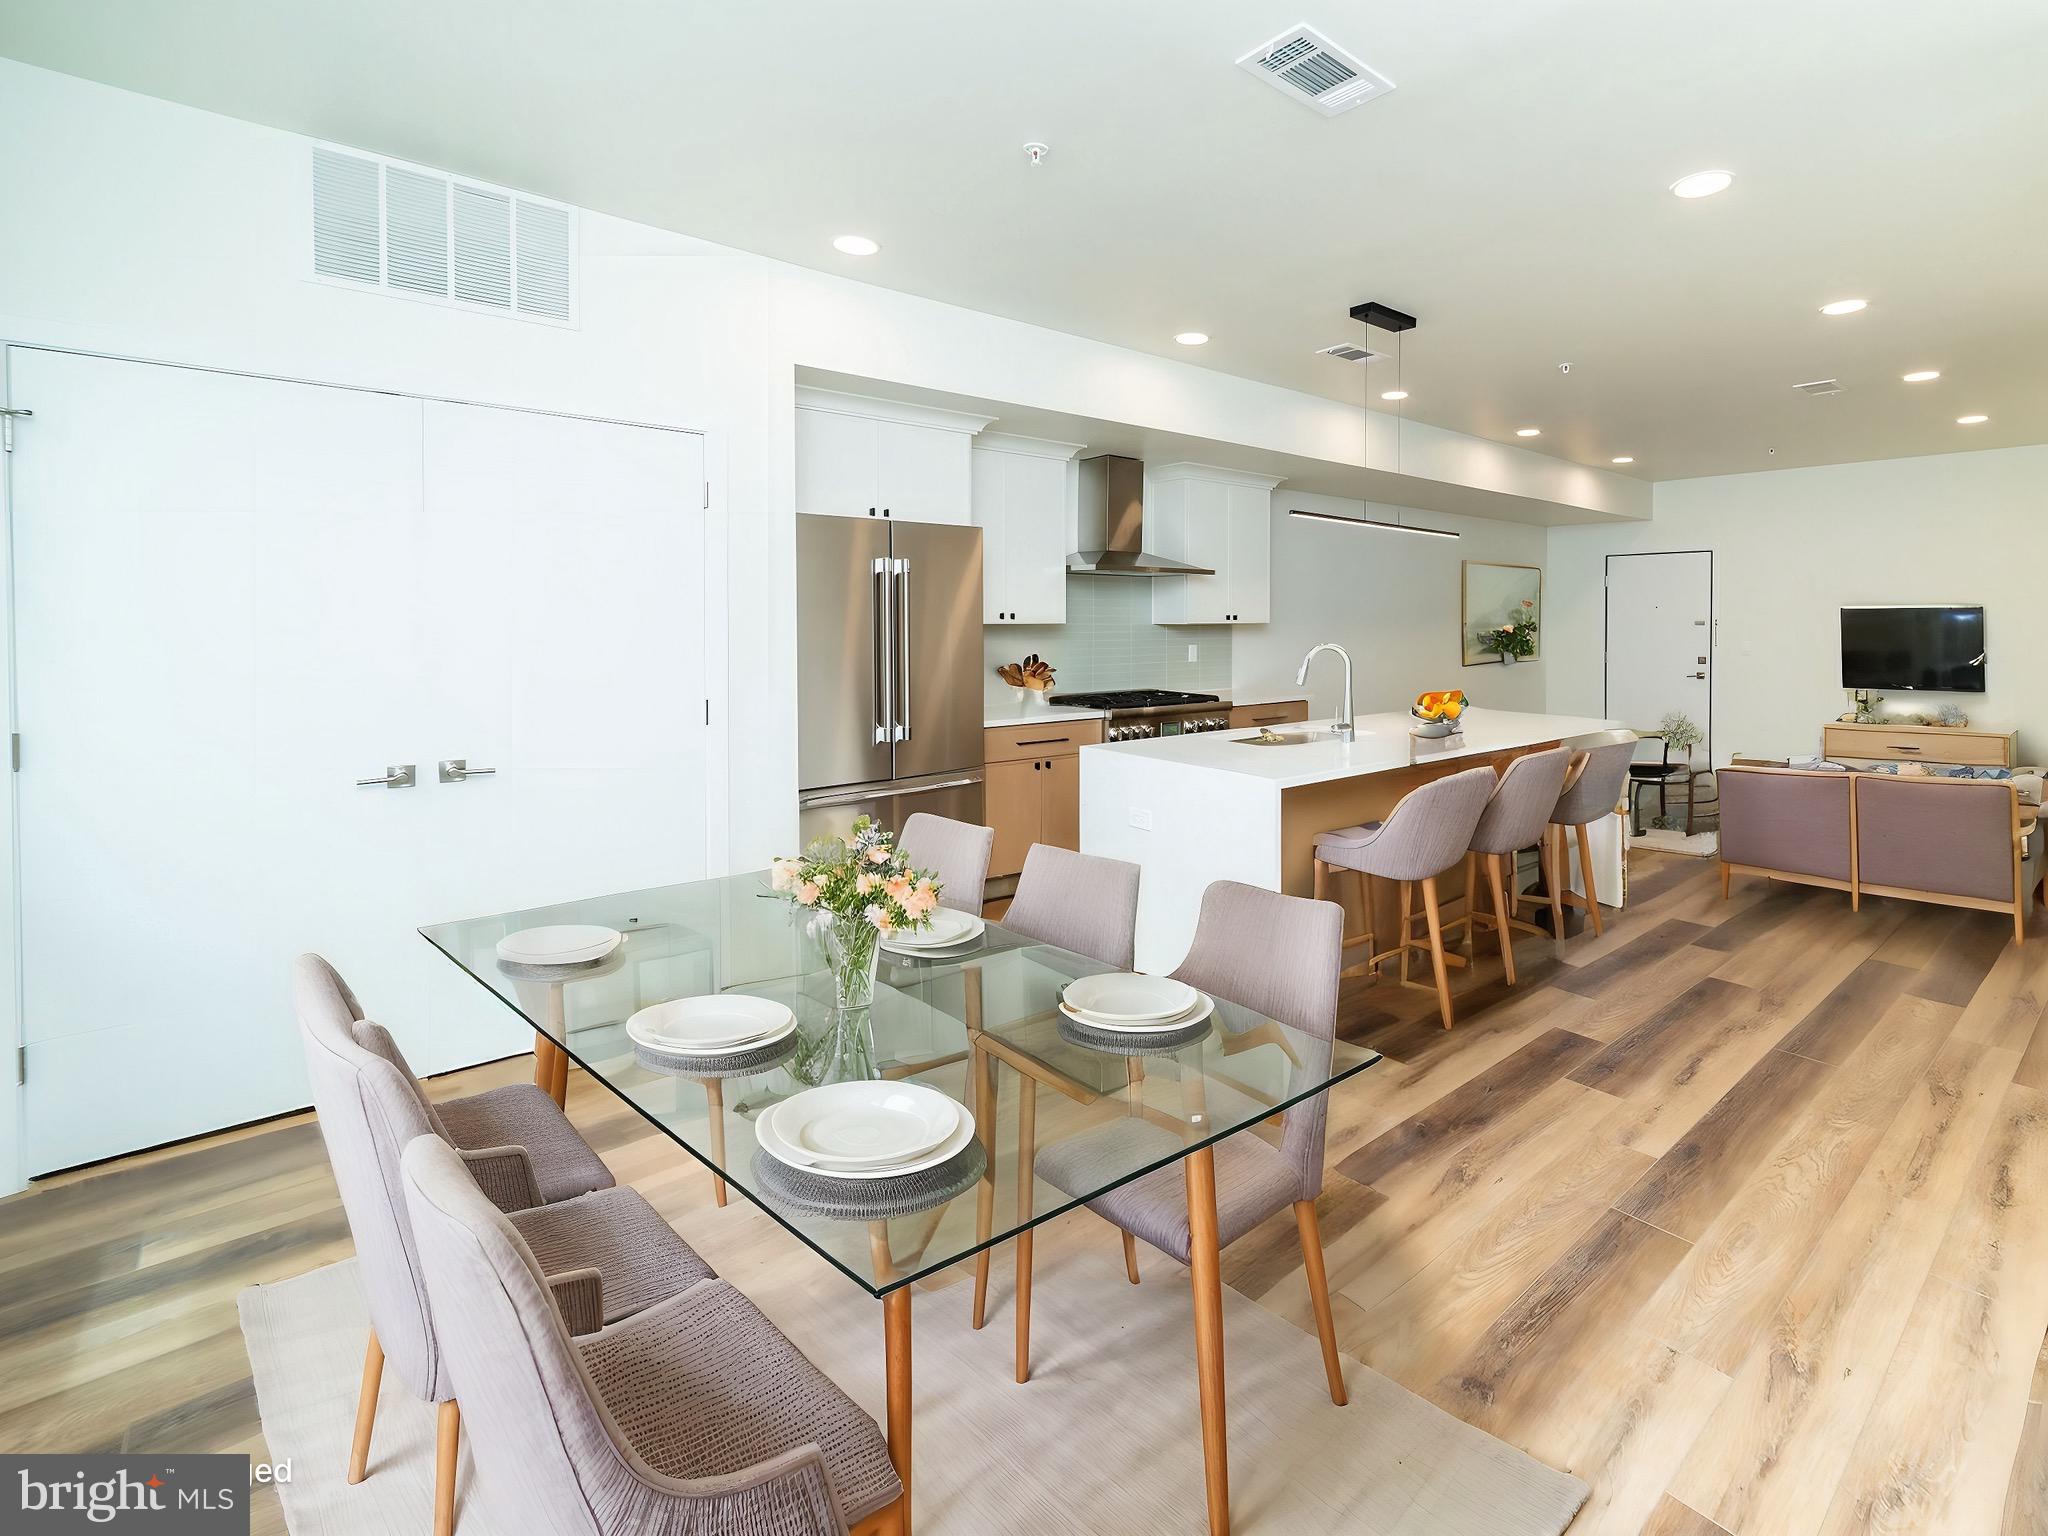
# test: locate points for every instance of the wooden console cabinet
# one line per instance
(1917, 743)
(1032, 788)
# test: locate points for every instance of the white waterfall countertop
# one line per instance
(1384, 742)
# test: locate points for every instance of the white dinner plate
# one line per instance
(867, 1123)
(1129, 997)
(720, 1022)
(1202, 1009)
(947, 927)
(765, 1132)
(971, 946)
(559, 944)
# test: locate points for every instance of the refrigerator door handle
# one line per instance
(903, 649)
(883, 658)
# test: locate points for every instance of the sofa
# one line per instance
(1959, 842)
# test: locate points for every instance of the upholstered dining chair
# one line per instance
(1427, 832)
(609, 1252)
(1274, 955)
(1514, 819)
(696, 1415)
(956, 851)
(1592, 790)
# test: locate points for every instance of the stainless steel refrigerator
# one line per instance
(889, 687)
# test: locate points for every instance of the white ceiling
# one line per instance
(1510, 192)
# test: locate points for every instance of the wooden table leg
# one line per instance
(1206, 1272)
(1027, 1152)
(714, 1100)
(984, 1070)
(543, 1063)
(896, 1355)
(558, 1081)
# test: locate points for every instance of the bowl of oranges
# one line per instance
(1438, 714)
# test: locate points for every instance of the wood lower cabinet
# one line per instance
(1031, 791)
(1247, 717)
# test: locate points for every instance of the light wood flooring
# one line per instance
(1740, 1212)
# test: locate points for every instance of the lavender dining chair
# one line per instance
(956, 851)
(694, 1416)
(1273, 955)
(607, 1250)
(1427, 832)
(1514, 819)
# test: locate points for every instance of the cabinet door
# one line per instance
(1060, 802)
(1012, 805)
(923, 473)
(988, 489)
(1250, 566)
(1035, 538)
(835, 463)
(1206, 599)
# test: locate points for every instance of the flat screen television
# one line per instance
(1934, 649)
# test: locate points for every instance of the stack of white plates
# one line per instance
(559, 944)
(947, 931)
(864, 1130)
(718, 1025)
(1133, 1003)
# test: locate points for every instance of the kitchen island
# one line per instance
(1189, 810)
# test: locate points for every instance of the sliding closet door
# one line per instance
(216, 636)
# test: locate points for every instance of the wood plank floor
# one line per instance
(1739, 1211)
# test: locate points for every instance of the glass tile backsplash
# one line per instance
(1110, 641)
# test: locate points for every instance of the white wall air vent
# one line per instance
(1820, 387)
(1306, 65)
(424, 234)
(1351, 353)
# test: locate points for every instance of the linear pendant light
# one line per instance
(1373, 313)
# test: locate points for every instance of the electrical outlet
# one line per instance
(1191, 652)
(1141, 819)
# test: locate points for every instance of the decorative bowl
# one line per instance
(1431, 730)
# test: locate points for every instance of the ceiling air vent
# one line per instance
(1818, 387)
(423, 234)
(1306, 65)
(1351, 353)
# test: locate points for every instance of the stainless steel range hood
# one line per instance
(1112, 524)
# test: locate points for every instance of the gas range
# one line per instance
(1137, 714)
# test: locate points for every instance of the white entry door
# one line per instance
(236, 597)
(1660, 643)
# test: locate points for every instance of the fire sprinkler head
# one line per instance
(1036, 152)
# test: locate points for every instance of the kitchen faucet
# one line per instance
(1342, 727)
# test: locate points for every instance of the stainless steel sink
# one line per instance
(1279, 739)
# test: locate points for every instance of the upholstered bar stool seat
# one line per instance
(1428, 831)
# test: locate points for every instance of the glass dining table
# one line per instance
(951, 1021)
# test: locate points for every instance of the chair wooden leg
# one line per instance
(1500, 908)
(1319, 1295)
(447, 1453)
(1131, 1257)
(1436, 949)
(1471, 940)
(714, 1101)
(1027, 1130)
(366, 1409)
(1553, 876)
(1407, 906)
(1726, 872)
(1586, 873)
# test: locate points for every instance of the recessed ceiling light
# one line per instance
(1394, 394)
(1528, 431)
(855, 245)
(1971, 421)
(1843, 307)
(1193, 338)
(1623, 459)
(1922, 375)
(1701, 184)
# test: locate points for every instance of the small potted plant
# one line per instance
(1680, 735)
(1516, 639)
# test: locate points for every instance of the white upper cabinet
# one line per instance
(1024, 504)
(861, 457)
(1219, 518)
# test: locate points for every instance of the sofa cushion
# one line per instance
(1953, 836)
(1791, 821)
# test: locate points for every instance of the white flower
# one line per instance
(879, 917)
(782, 873)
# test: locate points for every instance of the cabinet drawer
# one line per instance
(1977, 749)
(1247, 716)
(1054, 738)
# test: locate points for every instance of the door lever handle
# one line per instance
(455, 769)
(396, 776)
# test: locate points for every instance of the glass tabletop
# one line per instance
(979, 1023)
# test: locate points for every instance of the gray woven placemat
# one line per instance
(810, 1194)
(1128, 1042)
(731, 1064)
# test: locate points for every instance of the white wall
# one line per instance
(1391, 600)
(1791, 548)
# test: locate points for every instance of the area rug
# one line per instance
(1105, 1437)
(1701, 845)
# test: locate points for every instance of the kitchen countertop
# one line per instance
(1383, 744)
(1034, 714)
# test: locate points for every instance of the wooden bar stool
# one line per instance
(1515, 818)
(1426, 833)
(1593, 789)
